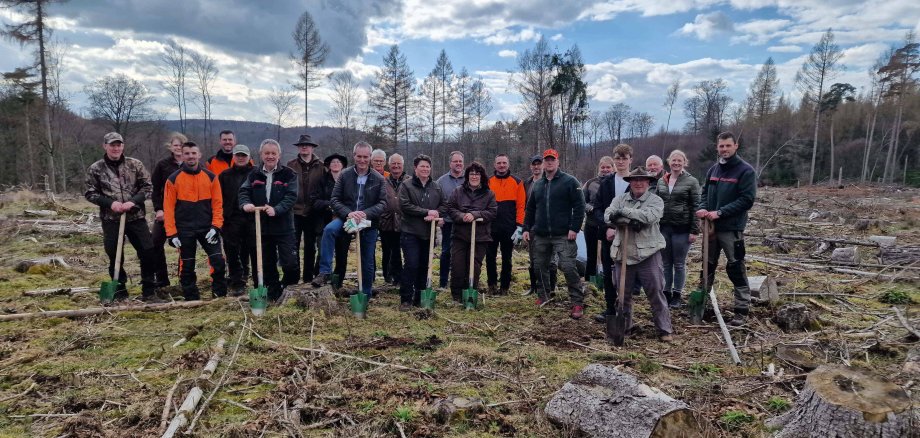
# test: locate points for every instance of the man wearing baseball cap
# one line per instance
(551, 223)
(239, 227)
(119, 185)
(308, 220)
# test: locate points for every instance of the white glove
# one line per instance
(351, 226)
(176, 243)
(211, 237)
(518, 233)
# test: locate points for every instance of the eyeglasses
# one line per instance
(475, 174)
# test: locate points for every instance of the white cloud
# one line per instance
(707, 26)
(505, 36)
(556, 37)
(505, 53)
(785, 49)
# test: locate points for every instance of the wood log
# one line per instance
(54, 262)
(40, 213)
(884, 241)
(78, 313)
(901, 255)
(763, 289)
(843, 402)
(182, 415)
(777, 244)
(848, 254)
(603, 402)
(58, 291)
(793, 317)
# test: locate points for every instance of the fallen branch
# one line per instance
(223, 377)
(78, 313)
(15, 396)
(194, 395)
(905, 323)
(725, 333)
(164, 417)
(57, 291)
(817, 239)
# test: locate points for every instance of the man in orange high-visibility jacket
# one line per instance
(193, 210)
(507, 227)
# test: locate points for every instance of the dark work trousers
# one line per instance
(732, 244)
(535, 284)
(460, 257)
(506, 245)
(610, 283)
(446, 238)
(139, 235)
(158, 253)
(306, 230)
(649, 272)
(239, 238)
(278, 250)
(391, 259)
(187, 277)
(591, 242)
(415, 272)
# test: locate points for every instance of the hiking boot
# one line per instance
(405, 307)
(739, 318)
(577, 311)
(320, 280)
(666, 337)
(152, 298)
(121, 294)
(493, 290)
(600, 318)
(675, 301)
(503, 291)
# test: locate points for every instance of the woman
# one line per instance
(322, 198)
(472, 200)
(681, 194)
(592, 235)
(421, 201)
(161, 172)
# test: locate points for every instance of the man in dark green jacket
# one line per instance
(552, 219)
(728, 193)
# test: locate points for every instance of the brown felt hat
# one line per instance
(640, 173)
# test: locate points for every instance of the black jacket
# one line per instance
(414, 202)
(283, 196)
(345, 195)
(555, 206)
(163, 169)
(730, 189)
(230, 182)
(602, 199)
(481, 204)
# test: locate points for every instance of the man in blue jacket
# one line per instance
(728, 193)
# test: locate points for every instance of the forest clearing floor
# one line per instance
(109, 375)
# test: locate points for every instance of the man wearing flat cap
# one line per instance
(638, 212)
(239, 226)
(308, 220)
(119, 185)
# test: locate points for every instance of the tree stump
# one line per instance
(884, 241)
(603, 402)
(308, 297)
(793, 317)
(778, 245)
(843, 402)
(763, 289)
(848, 255)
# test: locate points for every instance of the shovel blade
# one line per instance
(107, 291)
(428, 298)
(616, 329)
(335, 281)
(258, 300)
(358, 303)
(696, 305)
(470, 298)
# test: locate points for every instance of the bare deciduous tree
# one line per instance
(818, 69)
(761, 100)
(310, 55)
(346, 96)
(669, 101)
(534, 81)
(205, 71)
(175, 66)
(119, 100)
(282, 102)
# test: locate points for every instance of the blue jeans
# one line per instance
(368, 247)
(674, 259)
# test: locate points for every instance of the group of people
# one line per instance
(322, 204)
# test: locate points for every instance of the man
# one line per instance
(655, 166)
(390, 222)
(379, 161)
(308, 220)
(640, 210)
(223, 159)
(359, 194)
(728, 193)
(119, 185)
(611, 187)
(448, 183)
(194, 213)
(507, 226)
(239, 227)
(552, 221)
(536, 172)
(273, 188)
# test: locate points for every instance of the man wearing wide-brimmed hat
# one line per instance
(640, 210)
(308, 224)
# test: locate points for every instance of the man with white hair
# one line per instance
(273, 187)
(359, 194)
(390, 221)
(379, 161)
(654, 165)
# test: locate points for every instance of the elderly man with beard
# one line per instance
(640, 210)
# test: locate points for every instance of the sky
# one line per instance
(632, 49)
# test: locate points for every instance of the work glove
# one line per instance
(518, 234)
(352, 226)
(174, 241)
(621, 221)
(636, 225)
(614, 217)
(212, 236)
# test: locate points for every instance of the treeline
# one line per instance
(869, 135)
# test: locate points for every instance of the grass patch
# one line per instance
(896, 296)
(778, 404)
(735, 420)
(404, 414)
(704, 369)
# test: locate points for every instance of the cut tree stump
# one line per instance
(843, 402)
(777, 244)
(603, 402)
(793, 317)
(884, 241)
(848, 255)
(763, 289)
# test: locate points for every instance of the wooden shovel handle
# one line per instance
(119, 250)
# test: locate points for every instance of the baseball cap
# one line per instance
(241, 149)
(551, 153)
(536, 158)
(113, 137)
